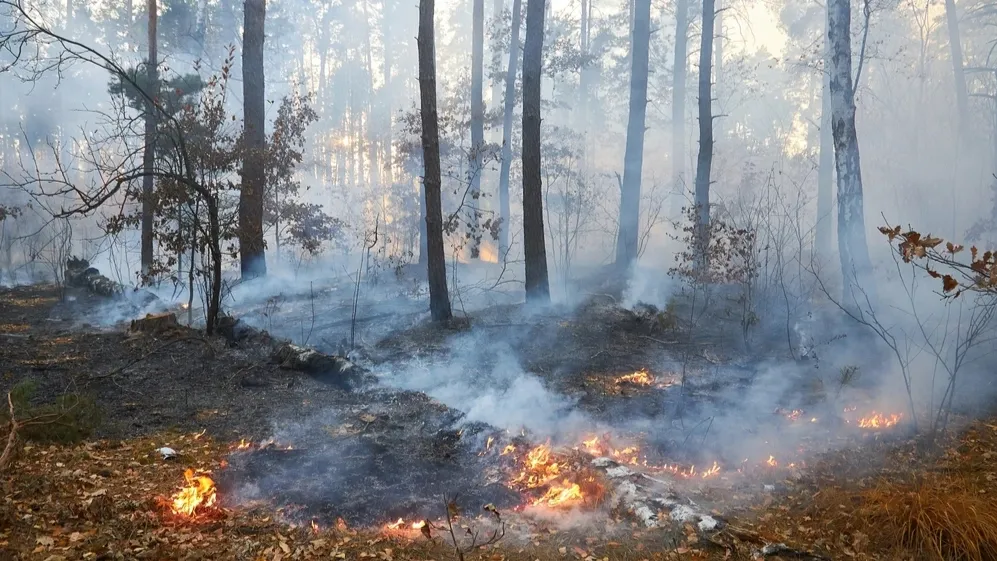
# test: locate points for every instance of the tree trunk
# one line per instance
(633, 161)
(129, 14)
(149, 150)
(852, 248)
(496, 94)
(955, 49)
(510, 104)
(584, 74)
(679, 73)
(825, 164)
(705, 160)
(477, 120)
(371, 121)
(386, 101)
(718, 66)
(251, 247)
(439, 297)
(537, 284)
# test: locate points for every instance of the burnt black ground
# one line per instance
(378, 453)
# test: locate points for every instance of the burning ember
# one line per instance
(199, 493)
(878, 421)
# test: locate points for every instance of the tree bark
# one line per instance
(852, 248)
(510, 104)
(149, 150)
(704, 162)
(537, 284)
(825, 164)
(251, 246)
(477, 119)
(633, 161)
(679, 73)
(439, 297)
(955, 49)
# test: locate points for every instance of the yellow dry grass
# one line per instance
(933, 517)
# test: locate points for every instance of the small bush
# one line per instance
(70, 418)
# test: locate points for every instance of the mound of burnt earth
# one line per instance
(395, 458)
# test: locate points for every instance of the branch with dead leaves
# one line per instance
(453, 513)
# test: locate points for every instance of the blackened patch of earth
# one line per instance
(387, 470)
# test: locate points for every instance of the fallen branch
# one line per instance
(768, 549)
(8, 450)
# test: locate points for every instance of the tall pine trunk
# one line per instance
(537, 284)
(251, 247)
(633, 161)
(439, 297)
(510, 104)
(149, 150)
(852, 248)
(680, 71)
(704, 162)
(959, 73)
(477, 120)
(825, 163)
(386, 101)
(371, 120)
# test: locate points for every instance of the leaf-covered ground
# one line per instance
(886, 497)
(107, 500)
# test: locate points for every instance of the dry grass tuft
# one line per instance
(941, 518)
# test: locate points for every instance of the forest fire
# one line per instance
(198, 494)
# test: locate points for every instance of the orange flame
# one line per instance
(879, 421)
(561, 493)
(772, 461)
(638, 378)
(401, 524)
(199, 492)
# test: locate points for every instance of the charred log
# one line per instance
(80, 274)
(330, 369)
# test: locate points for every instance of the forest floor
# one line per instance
(107, 495)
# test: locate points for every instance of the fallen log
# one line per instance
(331, 369)
(335, 370)
(80, 274)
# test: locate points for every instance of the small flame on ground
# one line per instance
(199, 492)
(639, 378)
(772, 461)
(880, 421)
(401, 524)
